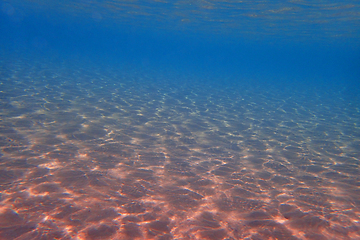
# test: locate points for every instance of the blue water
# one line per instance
(179, 120)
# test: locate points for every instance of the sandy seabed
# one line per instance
(87, 154)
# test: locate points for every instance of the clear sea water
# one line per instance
(183, 119)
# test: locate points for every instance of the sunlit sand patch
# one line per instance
(51, 165)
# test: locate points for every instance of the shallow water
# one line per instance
(131, 154)
(179, 120)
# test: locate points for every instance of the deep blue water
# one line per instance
(179, 120)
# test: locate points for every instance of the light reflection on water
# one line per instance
(136, 158)
(299, 19)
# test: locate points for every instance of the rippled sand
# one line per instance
(89, 154)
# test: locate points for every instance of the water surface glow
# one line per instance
(294, 18)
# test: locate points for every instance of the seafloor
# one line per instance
(95, 153)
